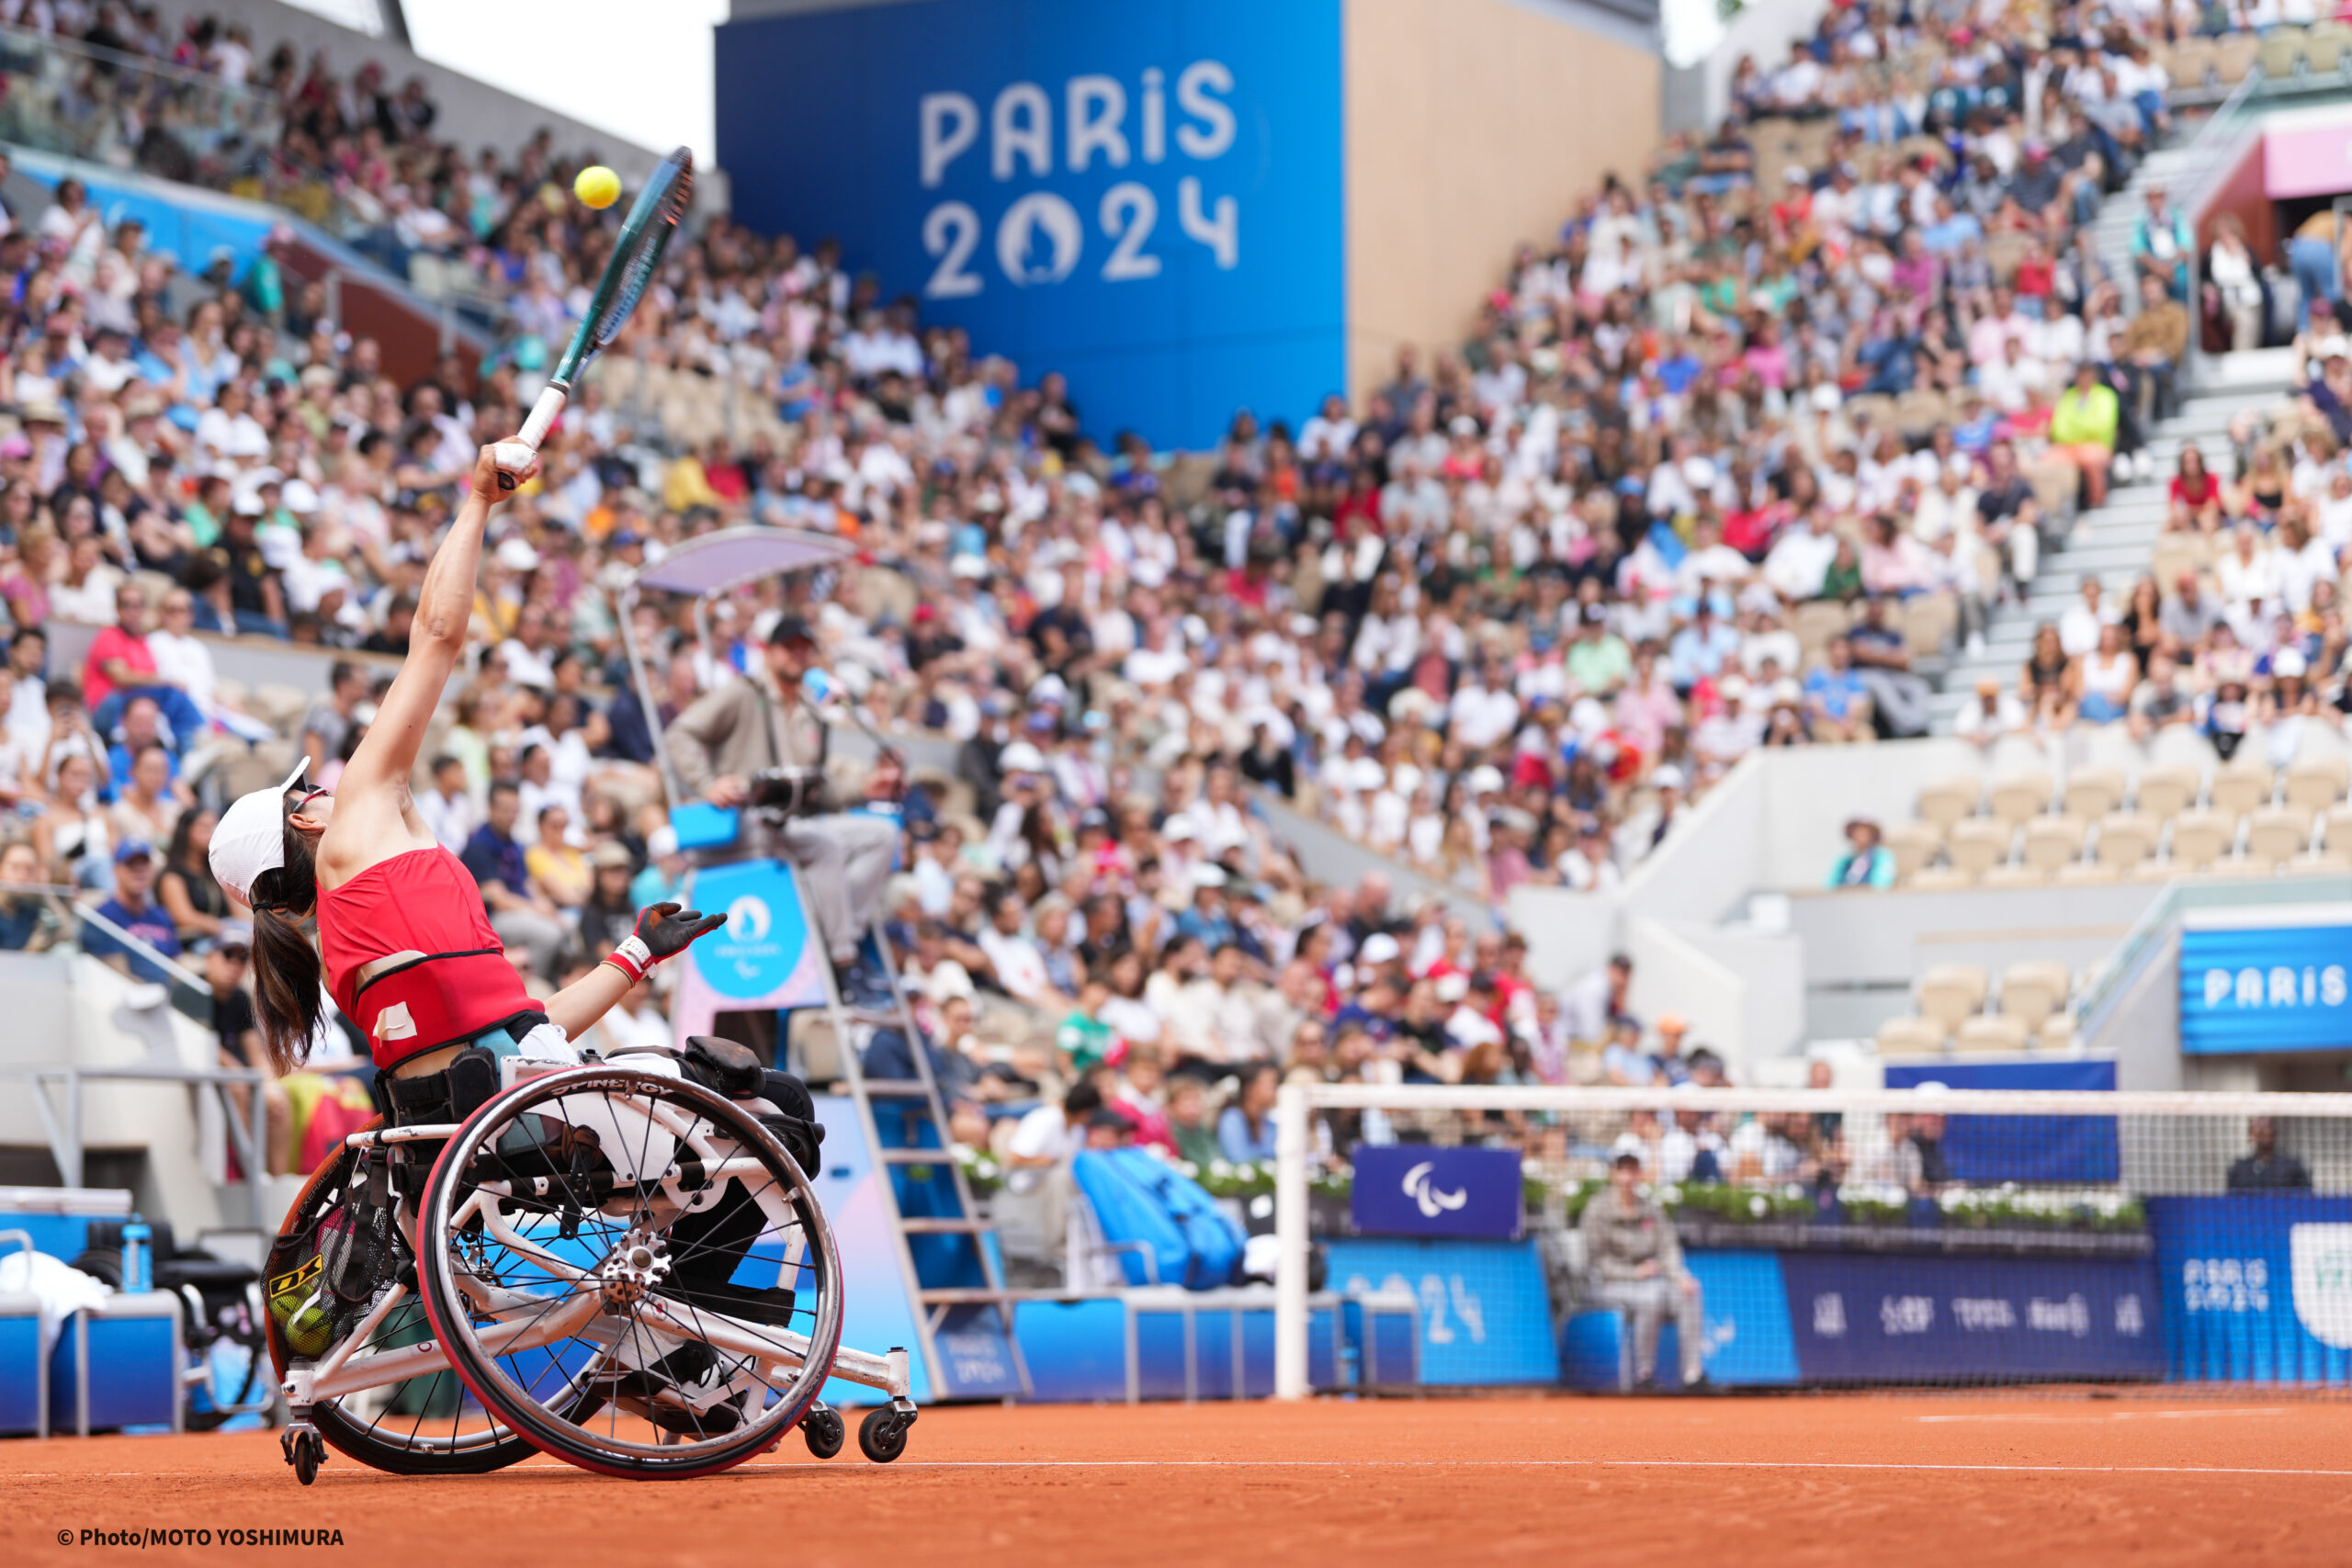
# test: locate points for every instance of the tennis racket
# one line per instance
(660, 205)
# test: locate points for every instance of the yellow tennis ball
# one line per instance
(598, 186)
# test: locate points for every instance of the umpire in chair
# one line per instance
(754, 740)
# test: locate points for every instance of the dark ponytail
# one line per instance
(285, 966)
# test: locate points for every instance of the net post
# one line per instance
(1290, 1235)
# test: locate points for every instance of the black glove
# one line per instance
(666, 931)
(663, 931)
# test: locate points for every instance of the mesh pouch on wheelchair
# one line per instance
(319, 1276)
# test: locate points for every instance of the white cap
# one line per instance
(1486, 779)
(1380, 948)
(2289, 662)
(251, 837)
(1668, 777)
(1021, 757)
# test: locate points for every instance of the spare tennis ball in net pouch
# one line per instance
(598, 186)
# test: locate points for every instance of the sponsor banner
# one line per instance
(1415, 1190)
(2265, 988)
(1147, 198)
(2257, 1288)
(1746, 1308)
(764, 956)
(1916, 1319)
(1486, 1315)
(1992, 1150)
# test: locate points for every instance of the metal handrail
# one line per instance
(250, 1137)
(163, 961)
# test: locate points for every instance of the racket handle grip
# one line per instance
(513, 457)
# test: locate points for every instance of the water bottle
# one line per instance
(137, 1266)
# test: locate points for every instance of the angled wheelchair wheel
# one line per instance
(423, 1425)
(653, 1243)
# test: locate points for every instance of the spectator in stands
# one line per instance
(2148, 352)
(329, 722)
(2193, 500)
(2264, 1169)
(1996, 713)
(1597, 1000)
(196, 901)
(520, 911)
(1637, 1268)
(2160, 702)
(30, 917)
(134, 915)
(2106, 678)
(2046, 685)
(2161, 244)
(1867, 862)
(1246, 1129)
(2233, 285)
(2083, 430)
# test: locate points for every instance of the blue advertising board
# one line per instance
(2276, 987)
(1486, 1313)
(1147, 198)
(1746, 1308)
(1914, 1318)
(2023, 1148)
(1416, 1189)
(2258, 1287)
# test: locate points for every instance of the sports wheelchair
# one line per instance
(607, 1263)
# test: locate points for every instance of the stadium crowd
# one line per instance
(1723, 467)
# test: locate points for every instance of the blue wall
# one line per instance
(936, 140)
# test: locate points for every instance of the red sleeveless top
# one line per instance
(424, 902)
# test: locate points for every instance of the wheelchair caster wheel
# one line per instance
(882, 1435)
(825, 1431)
(305, 1450)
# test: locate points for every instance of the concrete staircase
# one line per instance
(2118, 541)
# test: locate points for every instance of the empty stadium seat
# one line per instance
(2277, 834)
(2166, 792)
(1913, 845)
(2281, 50)
(2032, 990)
(2126, 840)
(2313, 786)
(1946, 801)
(2233, 56)
(1910, 1036)
(2324, 46)
(2337, 830)
(1990, 1032)
(2092, 792)
(1940, 879)
(2200, 837)
(2057, 1032)
(2018, 797)
(2237, 790)
(2051, 843)
(2189, 62)
(1950, 992)
(1976, 846)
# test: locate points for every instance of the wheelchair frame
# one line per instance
(345, 1369)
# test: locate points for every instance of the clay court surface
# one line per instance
(1882, 1479)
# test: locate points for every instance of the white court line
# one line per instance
(819, 1468)
(2112, 1415)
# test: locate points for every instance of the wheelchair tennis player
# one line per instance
(407, 951)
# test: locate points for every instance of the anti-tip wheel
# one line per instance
(882, 1435)
(825, 1431)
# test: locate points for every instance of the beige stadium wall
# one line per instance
(1472, 125)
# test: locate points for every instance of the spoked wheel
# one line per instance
(424, 1426)
(653, 1241)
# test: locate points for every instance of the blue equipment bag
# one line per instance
(1139, 1198)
